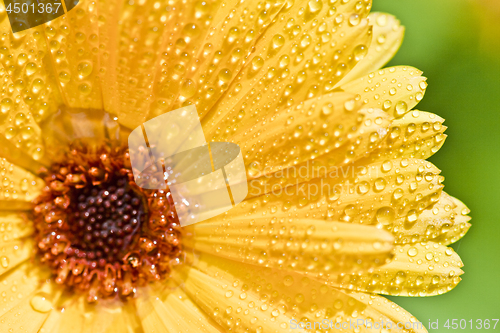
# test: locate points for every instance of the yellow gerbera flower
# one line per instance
(342, 205)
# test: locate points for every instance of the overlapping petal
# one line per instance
(169, 309)
(395, 90)
(422, 269)
(387, 38)
(302, 245)
(257, 298)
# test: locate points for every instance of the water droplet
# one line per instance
(225, 76)
(401, 108)
(278, 41)
(6, 105)
(64, 77)
(299, 298)
(315, 5)
(284, 60)
(22, 58)
(349, 105)
(10, 132)
(188, 89)
(84, 69)
(41, 303)
(288, 281)
(191, 30)
(360, 52)
(80, 37)
(387, 105)
(412, 251)
(37, 86)
(385, 216)
(233, 34)
(27, 132)
(37, 152)
(380, 184)
(20, 119)
(382, 20)
(305, 41)
(4, 261)
(327, 109)
(412, 216)
(398, 193)
(31, 68)
(387, 166)
(257, 63)
(354, 19)
(85, 88)
(363, 187)
(201, 8)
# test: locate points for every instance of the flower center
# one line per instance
(98, 231)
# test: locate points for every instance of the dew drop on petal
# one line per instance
(40, 303)
(385, 216)
(412, 251)
(401, 108)
(84, 69)
(4, 262)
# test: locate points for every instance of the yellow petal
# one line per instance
(308, 48)
(207, 50)
(20, 158)
(30, 71)
(13, 253)
(434, 223)
(231, 308)
(298, 134)
(172, 311)
(135, 54)
(416, 135)
(30, 313)
(244, 297)
(370, 194)
(74, 52)
(117, 317)
(422, 269)
(17, 123)
(314, 120)
(18, 284)
(13, 226)
(448, 218)
(387, 38)
(15, 205)
(391, 310)
(395, 90)
(68, 319)
(76, 315)
(17, 183)
(365, 136)
(303, 245)
(387, 190)
(454, 234)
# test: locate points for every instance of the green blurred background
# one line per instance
(457, 45)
